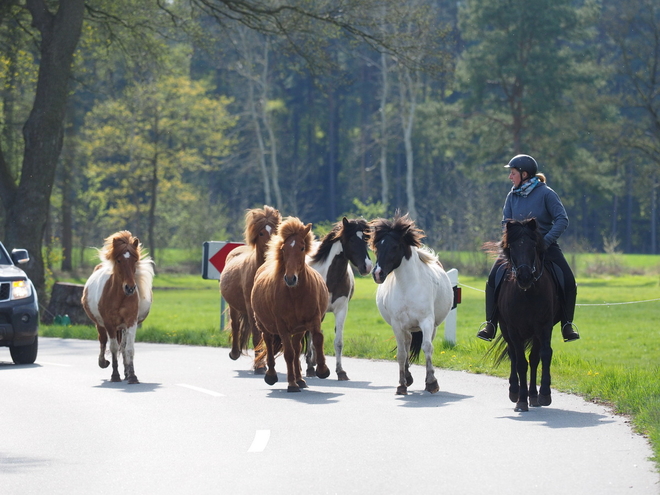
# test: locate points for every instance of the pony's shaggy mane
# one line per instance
(123, 241)
(337, 232)
(515, 230)
(402, 227)
(257, 219)
(290, 226)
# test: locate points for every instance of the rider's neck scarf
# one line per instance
(526, 187)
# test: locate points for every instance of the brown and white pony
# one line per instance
(289, 298)
(117, 298)
(237, 279)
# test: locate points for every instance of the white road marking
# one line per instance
(55, 364)
(202, 390)
(260, 441)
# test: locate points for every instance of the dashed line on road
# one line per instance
(260, 441)
(202, 390)
(55, 364)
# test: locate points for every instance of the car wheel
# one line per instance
(25, 354)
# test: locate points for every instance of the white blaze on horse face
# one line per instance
(268, 228)
(360, 234)
(293, 243)
(127, 255)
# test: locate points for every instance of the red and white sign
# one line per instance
(215, 255)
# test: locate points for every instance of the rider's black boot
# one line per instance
(489, 327)
(568, 330)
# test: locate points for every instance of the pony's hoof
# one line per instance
(133, 380)
(115, 378)
(261, 370)
(311, 372)
(342, 376)
(513, 396)
(521, 407)
(270, 379)
(545, 400)
(302, 383)
(401, 390)
(104, 363)
(233, 356)
(292, 388)
(432, 387)
(534, 401)
(325, 373)
(409, 379)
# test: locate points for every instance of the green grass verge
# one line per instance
(615, 362)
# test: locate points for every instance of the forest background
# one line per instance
(170, 118)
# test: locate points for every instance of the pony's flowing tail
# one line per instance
(415, 347)
(499, 350)
(244, 333)
(261, 352)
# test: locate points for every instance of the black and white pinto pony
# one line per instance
(345, 243)
(414, 293)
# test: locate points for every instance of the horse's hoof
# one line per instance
(292, 388)
(545, 400)
(521, 407)
(311, 372)
(432, 387)
(302, 383)
(115, 378)
(513, 396)
(261, 370)
(104, 363)
(401, 390)
(342, 376)
(233, 356)
(534, 401)
(325, 373)
(133, 380)
(409, 379)
(270, 379)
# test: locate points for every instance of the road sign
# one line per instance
(215, 255)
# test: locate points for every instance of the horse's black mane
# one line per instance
(336, 234)
(516, 229)
(402, 226)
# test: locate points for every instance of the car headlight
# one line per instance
(20, 289)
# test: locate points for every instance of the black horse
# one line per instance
(529, 307)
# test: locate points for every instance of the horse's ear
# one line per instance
(136, 242)
(344, 222)
(532, 223)
(308, 227)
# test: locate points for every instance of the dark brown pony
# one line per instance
(289, 298)
(238, 277)
(117, 298)
(528, 305)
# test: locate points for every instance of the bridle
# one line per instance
(515, 268)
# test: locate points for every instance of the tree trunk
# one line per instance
(65, 300)
(27, 204)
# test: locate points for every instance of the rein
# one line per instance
(515, 268)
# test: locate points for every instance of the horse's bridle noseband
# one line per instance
(515, 268)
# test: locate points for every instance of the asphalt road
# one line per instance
(201, 423)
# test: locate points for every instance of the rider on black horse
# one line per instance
(530, 197)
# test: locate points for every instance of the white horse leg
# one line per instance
(340, 319)
(427, 347)
(310, 356)
(114, 350)
(128, 345)
(403, 339)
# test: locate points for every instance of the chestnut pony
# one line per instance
(117, 298)
(237, 279)
(289, 298)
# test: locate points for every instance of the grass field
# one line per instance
(616, 361)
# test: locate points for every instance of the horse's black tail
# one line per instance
(415, 347)
(499, 350)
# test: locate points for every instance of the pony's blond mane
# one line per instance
(144, 272)
(257, 219)
(290, 226)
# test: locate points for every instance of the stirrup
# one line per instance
(485, 332)
(572, 335)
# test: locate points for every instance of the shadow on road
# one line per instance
(560, 418)
(124, 386)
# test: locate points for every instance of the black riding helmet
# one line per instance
(524, 163)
